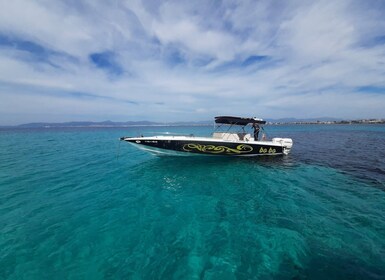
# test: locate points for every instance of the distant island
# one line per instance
(109, 124)
(287, 121)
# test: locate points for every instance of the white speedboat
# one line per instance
(223, 142)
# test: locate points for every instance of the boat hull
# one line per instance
(185, 146)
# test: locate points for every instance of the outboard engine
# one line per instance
(286, 143)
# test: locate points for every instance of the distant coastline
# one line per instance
(291, 121)
(80, 124)
(362, 121)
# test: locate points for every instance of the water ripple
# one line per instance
(71, 209)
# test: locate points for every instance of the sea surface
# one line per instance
(76, 203)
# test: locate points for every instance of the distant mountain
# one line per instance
(85, 124)
(108, 124)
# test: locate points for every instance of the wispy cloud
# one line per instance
(188, 60)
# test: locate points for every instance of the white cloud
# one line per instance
(317, 32)
(185, 60)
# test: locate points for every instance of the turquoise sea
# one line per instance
(76, 203)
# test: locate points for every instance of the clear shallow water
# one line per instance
(70, 208)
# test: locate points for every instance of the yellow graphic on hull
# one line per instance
(212, 149)
(263, 150)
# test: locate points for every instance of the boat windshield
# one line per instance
(230, 128)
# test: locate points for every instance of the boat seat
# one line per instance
(232, 136)
(244, 136)
(226, 136)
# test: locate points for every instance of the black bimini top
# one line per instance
(238, 120)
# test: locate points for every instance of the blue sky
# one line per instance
(190, 60)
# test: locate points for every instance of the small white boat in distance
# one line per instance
(223, 142)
